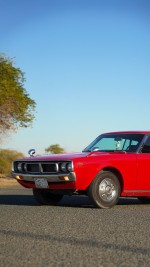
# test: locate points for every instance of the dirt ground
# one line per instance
(8, 182)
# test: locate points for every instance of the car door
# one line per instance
(143, 165)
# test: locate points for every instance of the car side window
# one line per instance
(146, 147)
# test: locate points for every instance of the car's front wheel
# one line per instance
(46, 197)
(104, 191)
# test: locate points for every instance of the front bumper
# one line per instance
(51, 178)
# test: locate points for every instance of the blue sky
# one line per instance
(87, 66)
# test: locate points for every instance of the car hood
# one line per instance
(62, 157)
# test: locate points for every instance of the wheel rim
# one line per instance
(107, 190)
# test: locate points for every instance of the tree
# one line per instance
(16, 107)
(55, 149)
(6, 158)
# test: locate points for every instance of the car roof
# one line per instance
(129, 132)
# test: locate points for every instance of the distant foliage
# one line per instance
(55, 149)
(6, 158)
(16, 107)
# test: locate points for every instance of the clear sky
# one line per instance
(87, 66)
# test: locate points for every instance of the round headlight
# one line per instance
(19, 167)
(63, 167)
(70, 167)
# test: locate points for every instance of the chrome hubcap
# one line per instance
(107, 190)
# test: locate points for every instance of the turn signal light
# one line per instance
(64, 178)
(19, 177)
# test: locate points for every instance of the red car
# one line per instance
(114, 165)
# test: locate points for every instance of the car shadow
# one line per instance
(19, 200)
(67, 201)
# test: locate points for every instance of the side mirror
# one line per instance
(95, 148)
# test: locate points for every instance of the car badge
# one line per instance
(31, 152)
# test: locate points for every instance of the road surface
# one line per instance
(73, 233)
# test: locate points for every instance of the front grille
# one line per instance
(49, 167)
(32, 167)
(37, 167)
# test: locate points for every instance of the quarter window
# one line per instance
(146, 147)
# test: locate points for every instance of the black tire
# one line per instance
(46, 197)
(145, 200)
(105, 190)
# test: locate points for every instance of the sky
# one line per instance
(86, 64)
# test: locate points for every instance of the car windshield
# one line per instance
(115, 142)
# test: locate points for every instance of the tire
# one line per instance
(105, 190)
(46, 197)
(145, 200)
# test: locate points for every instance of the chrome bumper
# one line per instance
(51, 178)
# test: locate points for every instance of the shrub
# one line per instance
(6, 158)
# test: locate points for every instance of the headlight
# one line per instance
(66, 167)
(70, 167)
(19, 167)
(63, 167)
